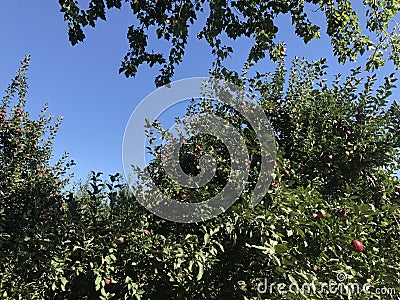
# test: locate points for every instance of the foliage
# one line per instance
(31, 206)
(226, 21)
(334, 184)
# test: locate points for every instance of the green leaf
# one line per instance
(206, 239)
(97, 281)
(292, 279)
(201, 271)
(281, 248)
(63, 280)
(300, 232)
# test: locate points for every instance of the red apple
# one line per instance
(107, 281)
(322, 214)
(175, 193)
(342, 212)
(357, 246)
(121, 239)
(315, 268)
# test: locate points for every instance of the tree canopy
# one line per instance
(226, 21)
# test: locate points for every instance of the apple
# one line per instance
(322, 214)
(330, 156)
(342, 212)
(315, 268)
(175, 193)
(357, 246)
(121, 239)
(315, 216)
(107, 281)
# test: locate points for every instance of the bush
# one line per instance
(333, 207)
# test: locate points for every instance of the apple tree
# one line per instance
(31, 193)
(226, 21)
(333, 207)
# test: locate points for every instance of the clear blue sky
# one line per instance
(82, 82)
